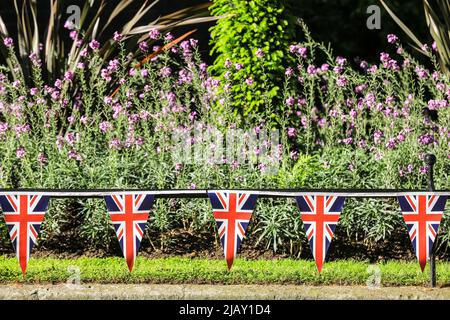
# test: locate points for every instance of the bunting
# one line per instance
(129, 214)
(320, 215)
(422, 214)
(232, 211)
(23, 214)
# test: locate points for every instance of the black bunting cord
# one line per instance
(203, 193)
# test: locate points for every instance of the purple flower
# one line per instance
(20, 152)
(384, 57)
(377, 137)
(8, 42)
(434, 46)
(401, 137)
(56, 95)
(373, 69)
(341, 81)
(423, 170)
(143, 46)
(144, 73)
(392, 38)
(35, 59)
(311, 70)
(154, 34)
(69, 25)
(117, 36)
(347, 141)
(104, 73)
(410, 168)
(291, 132)
(193, 42)
(84, 53)
(238, 66)
(437, 104)
(260, 53)
(105, 126)
(297, 49)
(71, 119)
(74, 155)
(290, 101)
(341, 61)
(364, 65)
(73, 35)
(186, 47)
(421, 73)
(95, 45)
(84, 120)
(68, 76)
(169, 37)
(425, 139)
(185, 76)
(3, 127)
(338, 70)
(228, 63)
(391, 144)
(42, 159)
(165, 71)
(289, 72)
(249, 81)
(325, 67)
(115, 144)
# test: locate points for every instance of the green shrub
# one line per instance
(249, 26)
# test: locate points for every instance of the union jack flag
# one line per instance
(320, 215)
(422, 215)
(129, 214)
(232, 212)
(24, 214)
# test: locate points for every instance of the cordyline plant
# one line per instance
(59, 54)
(437, 16)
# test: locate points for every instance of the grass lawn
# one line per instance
(185, 270)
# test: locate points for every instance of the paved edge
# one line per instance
(214, 292)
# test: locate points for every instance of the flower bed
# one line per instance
(343, 124)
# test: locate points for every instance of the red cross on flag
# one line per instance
(129, 213)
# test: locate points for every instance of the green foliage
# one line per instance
(59, 54)
(213, 271)
(298, 175)
(342, 127)
(249, 26)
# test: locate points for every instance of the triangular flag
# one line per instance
(422, 214)
(320, 215)
(24, 214)
(232, 211)
(129, 213)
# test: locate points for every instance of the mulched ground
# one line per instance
(206, 245)
(179, 242)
